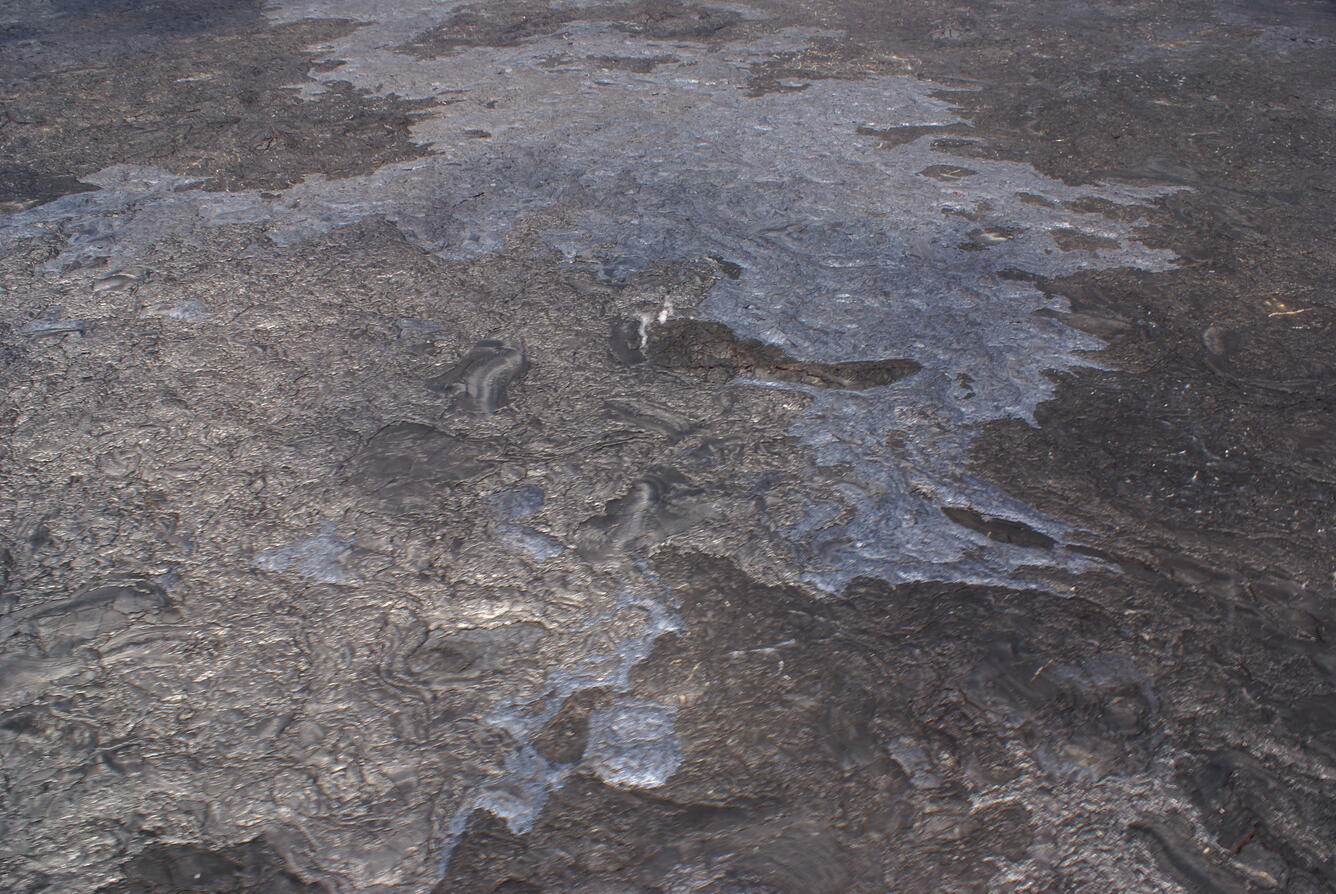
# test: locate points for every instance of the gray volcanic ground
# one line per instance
(667, 447)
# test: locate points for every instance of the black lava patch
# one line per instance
(712, 352)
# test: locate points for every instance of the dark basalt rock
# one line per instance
(514, 24)
(658, 504)
(61, 626)
(252, 867)
(22, 187)
(625, 342)
(680, 21)
(406, 464)
(712, 352)
(480, 382)
(1175, 851)
(1162, 720)
(562, 739)
(1003, 530)
(104, 87)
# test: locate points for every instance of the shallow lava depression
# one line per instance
(667, 447)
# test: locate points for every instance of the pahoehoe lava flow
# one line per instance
(667, 446)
